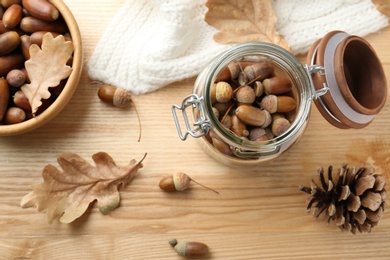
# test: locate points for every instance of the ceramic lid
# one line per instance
(354, 78)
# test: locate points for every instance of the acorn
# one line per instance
(227, 121)
(246, 95)
(281, 104)
(4, 97)
(253, 116)
(213, 92)
(259, 71)
(268, 119)
(14, 115)
(258, 88)
(260, 134)
(178, 182)
(9, 41)
(12, 16)
(16, 78)
(224, 92)
(223, 107)
(189, 249)
(221, 146)
(215, 112)
(279, 124)
(119, 97)
(277, 85)
(238, 127)
(256, 133)
(21, 101)
(231, 71)
(25, 43)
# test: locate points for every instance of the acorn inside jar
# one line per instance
(252, 99)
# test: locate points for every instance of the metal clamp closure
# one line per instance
(255, 154)
(201, 126)
(316, 69)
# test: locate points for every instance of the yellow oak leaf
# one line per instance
(383, 6)
(67, 194)
(242, 21)
(46, 68)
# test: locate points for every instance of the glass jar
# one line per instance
(348, 94)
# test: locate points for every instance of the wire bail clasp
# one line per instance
(316, 69)
(202, 124)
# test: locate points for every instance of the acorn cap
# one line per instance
(181, 181)
(180, 248)
(246, 95)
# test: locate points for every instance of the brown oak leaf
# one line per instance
(383, 6)
(242, 21)
(46, 68)
(67, 194)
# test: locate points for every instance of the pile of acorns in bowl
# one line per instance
(23, 23)
(253, 100)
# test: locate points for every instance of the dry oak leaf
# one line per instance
(46, 68)
(241, 21)
(67, 194)
(383, 6)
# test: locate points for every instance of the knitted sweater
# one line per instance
(305, 21)
(151, 43)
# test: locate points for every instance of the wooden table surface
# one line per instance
(259, 213)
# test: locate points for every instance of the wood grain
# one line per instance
(259, 214)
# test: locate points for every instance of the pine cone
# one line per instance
(354, 200)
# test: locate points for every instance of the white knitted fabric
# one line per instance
(305, 21)
(151, 43)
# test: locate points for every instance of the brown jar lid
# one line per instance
(354, 76)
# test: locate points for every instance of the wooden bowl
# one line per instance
(62, 100)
